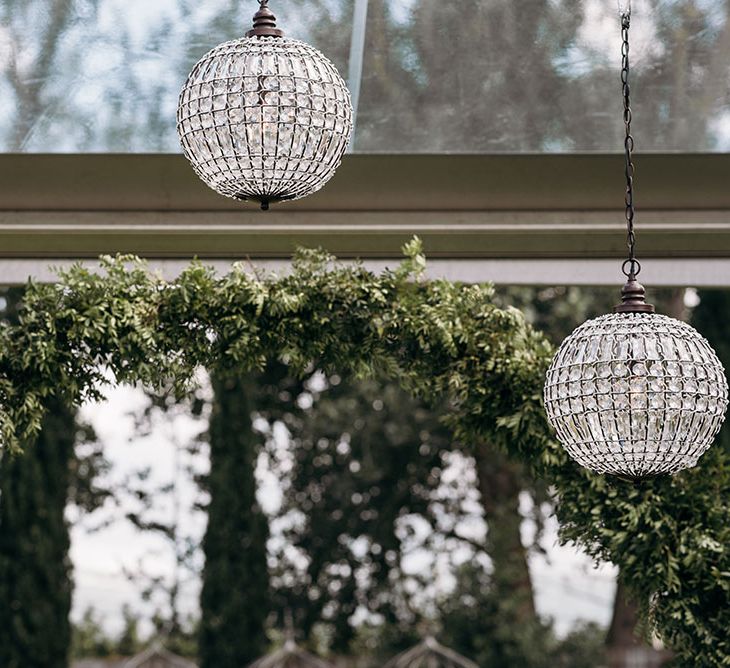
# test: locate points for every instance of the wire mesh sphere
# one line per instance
(636, 394)
(264, 119)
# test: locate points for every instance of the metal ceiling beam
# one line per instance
(465, 207)
(375, 182)
(366, 234)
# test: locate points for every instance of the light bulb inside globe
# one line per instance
(264, 118)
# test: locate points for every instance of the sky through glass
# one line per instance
(479, 76)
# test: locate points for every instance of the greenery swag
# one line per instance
(669, 535)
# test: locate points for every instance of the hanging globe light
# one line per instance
(264, 118)
(635, 393)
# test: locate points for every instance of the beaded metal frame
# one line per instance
(264, 118)
(636, 394)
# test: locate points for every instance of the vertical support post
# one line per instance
(357, 55)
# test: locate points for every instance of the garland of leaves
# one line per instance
(669, 535)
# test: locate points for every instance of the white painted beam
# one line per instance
(468, 207)
(699, 273)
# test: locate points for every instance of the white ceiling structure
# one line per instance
(526, 219)
(498, 149)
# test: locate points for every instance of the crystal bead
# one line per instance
(253, 114)
(619, 369)
(603, 385)
(620, 385)
(656, 400)
(654, 426)
(592, 354)
(657, 385)
(594, 426)
(622, 348)
(287, 100)
(286, 84)
(639, 369)
(651, 348)
(673, 369)
(638, 351)
(637, 384)
(622, 423)
(270, 83)
(656, 369)
(638, 401)
(682, 351)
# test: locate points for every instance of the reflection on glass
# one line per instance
(453, 77)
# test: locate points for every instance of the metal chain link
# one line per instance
(631, 267)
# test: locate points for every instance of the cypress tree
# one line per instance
(35, 572)
(710, 319)
(235, 594)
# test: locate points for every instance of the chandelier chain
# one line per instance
(631, 266)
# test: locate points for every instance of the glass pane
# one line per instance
(456, 77)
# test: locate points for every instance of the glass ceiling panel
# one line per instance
(470, 76)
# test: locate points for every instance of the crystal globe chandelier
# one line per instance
(635, 393)
(264, 118)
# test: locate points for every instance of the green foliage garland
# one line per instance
(669, 535)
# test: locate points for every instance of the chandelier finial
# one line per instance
(264, 22)
(633, 298)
